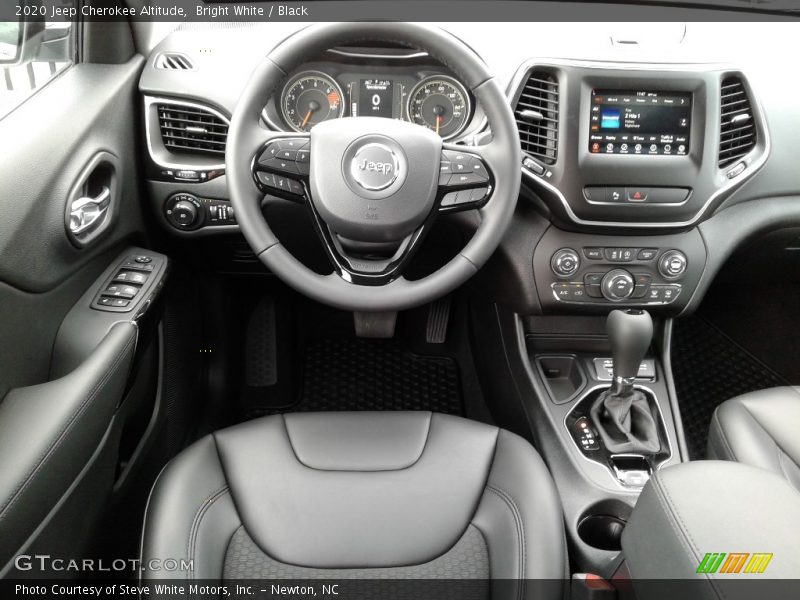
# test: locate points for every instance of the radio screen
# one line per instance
(375, 98)
(640, 123)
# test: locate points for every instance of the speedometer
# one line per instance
(310, 98)
(441, 104)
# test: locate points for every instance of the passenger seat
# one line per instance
(760, 429)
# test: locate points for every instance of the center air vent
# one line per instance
(174, 61)
(192, 129)
(737, 132)
(536, 113)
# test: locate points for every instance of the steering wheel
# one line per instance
(374, 185)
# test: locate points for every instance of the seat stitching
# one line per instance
(764, 429)
(198, 519)
(722, 435)
(43, 458)
(506, 497)
(782, 458)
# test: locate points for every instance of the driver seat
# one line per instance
(366, 495)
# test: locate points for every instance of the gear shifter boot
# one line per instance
(626, 422)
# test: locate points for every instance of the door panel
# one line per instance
(69, 156)
(49, 141)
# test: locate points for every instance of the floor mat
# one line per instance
(710, 368)
(318, 364)
(364, 374)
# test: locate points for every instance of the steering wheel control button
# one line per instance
(672, 264)
(295, 187)
(617, 285)
(267, 179)
(286, 156)
(565, 262)
(460, 162)
(461, 169)
(375, 166)
(479, 194)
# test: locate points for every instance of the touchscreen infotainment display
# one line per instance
(640, 122)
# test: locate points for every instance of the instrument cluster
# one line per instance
(428, 98)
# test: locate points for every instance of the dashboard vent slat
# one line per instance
(174, 61)
(737, 131)
(536, 113)
(192, 130)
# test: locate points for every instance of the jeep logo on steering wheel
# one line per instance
(374, 166)
(378, 167)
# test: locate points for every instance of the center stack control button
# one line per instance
(617, 285)
(672, 264)
(565, 262)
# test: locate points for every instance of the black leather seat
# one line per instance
(364, 495)
(760, 429)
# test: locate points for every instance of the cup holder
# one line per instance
(602, 524)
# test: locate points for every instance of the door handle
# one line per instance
(87, 213)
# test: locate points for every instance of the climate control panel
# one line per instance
(574, 270)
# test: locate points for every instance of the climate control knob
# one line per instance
(565, 262)
(672, 264)
(617, 285)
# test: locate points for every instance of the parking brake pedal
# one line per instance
(438, 318)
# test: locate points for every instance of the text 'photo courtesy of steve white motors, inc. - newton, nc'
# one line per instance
(174, 590)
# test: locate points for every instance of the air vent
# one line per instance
(192, 129)
(537, 116)
(174, 61)
(737, 132)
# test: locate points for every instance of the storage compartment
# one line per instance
(563, 376)
(602, 524)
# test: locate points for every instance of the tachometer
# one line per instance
(441, 104)
(310, 98)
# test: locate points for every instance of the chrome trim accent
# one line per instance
(149, 101)
(411, 54)
(457, 84)
(668, 204)
(608, 468)
(517, 80)
(625, 302)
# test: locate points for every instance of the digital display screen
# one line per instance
(642, 123)
(375, 98)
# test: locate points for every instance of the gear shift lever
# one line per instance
(630, 333)
(622, 414)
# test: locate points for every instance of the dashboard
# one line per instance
(627, 157)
